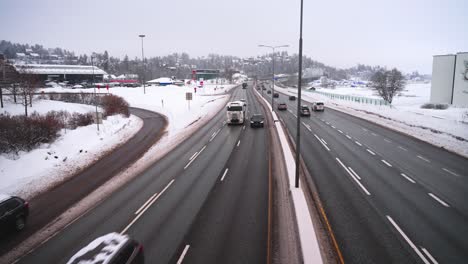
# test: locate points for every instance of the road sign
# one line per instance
(188, 96)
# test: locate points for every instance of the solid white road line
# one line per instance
(386, 163)
(340, 131)
(146, 208)
(196, 156)
(429, 256)
(355, 174)
(400, 147)
(370, 151)
(408, 240)
(358, 143)
(426, 160)
(387, 140)
(321, 142)
(224, 174)
(451, 172)
(238, 142)
(144, 205)
(354, 178)
(408, 178)
(348, 136)
(439, 200)
(182, 256)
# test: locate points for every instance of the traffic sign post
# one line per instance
(188, 97)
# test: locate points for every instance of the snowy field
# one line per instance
(445, 128)
(52, 163)
(31, 172)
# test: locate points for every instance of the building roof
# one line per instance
(58, 69)
(164, 80)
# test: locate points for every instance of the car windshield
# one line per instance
(257, 118)
(319, 103)
(235, 108)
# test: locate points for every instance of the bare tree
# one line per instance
(28, 84)
(388, 83)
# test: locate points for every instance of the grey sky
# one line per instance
(394, 33)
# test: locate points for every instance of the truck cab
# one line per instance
(235, 112)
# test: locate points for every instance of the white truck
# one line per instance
(235, 112)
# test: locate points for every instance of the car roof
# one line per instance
(101, 250)
(4, 197)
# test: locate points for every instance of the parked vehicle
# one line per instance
(282, 106)
(257, 120)
(292, 98)
(112, 248)
(305, 111)
(275, 95)
(318, 106)
(235, 112)
(14, 212)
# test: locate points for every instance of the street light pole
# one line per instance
(143, 61)
(273, 88)
(95, 98)
(299, 87)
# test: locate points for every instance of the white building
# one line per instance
(450, 79)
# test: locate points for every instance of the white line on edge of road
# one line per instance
(408, 178)
(451, 172)
(144, 205)
(182, 256)
(194, 154)
(238, 142)
(325, 146)
(408, 240)
(355, 174)
(423, 158)
(190, 162)
(429, 256)
(439, 200)
(352, 176)
(224, 174)
(357, 142)
(386, 163)
(370, 151)
(146, 208)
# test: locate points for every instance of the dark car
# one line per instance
(269, 92)
(14, 212)
(275, 95)
(282, 106)
(292, 98)
(112, 248)
(305, 111)
(257, 120)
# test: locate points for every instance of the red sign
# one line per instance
(107, 87)
(201, 83)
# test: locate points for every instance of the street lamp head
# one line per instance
(141, 36)
(282, 46)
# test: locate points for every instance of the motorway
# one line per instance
(205, 201)
(389, 198)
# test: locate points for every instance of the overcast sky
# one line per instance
(393, 33)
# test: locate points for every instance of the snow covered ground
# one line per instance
(31, 172)
(445, 128)
(35, 171)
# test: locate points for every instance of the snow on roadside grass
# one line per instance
(444, 128)
(32, 172)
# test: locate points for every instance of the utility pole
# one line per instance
(299, 87)
(143, 61)
(95, 95)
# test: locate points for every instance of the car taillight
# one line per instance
(26, 204)
(140, 248)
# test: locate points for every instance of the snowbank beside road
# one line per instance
(28, 173)
(444, 128)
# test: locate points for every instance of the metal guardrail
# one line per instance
(358, 99)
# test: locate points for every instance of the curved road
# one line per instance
(49, 205)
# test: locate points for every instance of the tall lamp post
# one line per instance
(273, 48)
(143, 61)
(299, 87)
(95, 98)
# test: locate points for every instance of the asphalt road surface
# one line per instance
(47, 206)
(164, 207)
(390, 198)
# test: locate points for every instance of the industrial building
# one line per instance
(70, 73)
(450, 79)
